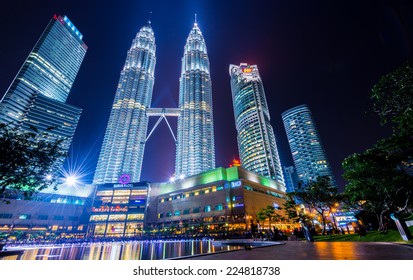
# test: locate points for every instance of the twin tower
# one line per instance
(123, 146)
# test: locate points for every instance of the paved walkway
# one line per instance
(302, 250)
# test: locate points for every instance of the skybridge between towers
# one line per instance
(162, 113)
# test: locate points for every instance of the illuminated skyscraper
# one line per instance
(124, 142)
(195, 151)
(309, 156)
(37, 95)
(256, 140)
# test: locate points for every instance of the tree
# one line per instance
(291, 208)
(393, 99)
(294, 212)
(378, 181)
(381, 178)
(319, 195)
(268, 213)
(28, 161)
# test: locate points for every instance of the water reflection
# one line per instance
(136, 250)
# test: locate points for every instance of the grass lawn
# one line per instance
(372, 236)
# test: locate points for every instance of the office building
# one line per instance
(124, 141)
(257, 145)
(307, 150)
(36, 97)
(290, 178)
(195, 152)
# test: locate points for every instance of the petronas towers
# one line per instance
(123, 146)
(124, 141)
(195, 151)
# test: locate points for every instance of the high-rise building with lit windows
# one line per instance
(36, 97)
(124, 141)
(257, 145)
(308, 153)
(195, 152)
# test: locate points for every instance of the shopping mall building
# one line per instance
(59, 213)
(222, 199)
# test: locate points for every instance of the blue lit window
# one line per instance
(177, 213)
(24, 216)
(207, 208)
(5, 216)
(219, 207)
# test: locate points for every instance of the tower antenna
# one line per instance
(195, 20)
(150, 17)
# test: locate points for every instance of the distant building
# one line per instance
(217, 199)
(291, 178)
(307, 150)
(36, 98)
(257, 145)
(124, 141)
(195, 147)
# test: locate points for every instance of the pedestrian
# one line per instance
(361, 231)
(253, 230)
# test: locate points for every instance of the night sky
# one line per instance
(325, 54)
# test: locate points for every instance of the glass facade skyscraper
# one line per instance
(37, 95)
(124, 142)
(195, 151)
(309, 156)
(257, 145)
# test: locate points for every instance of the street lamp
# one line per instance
(71, 180)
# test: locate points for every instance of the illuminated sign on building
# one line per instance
(236, 184)
(72, 27)
(124, 179)
(122, 186)
(247, 69)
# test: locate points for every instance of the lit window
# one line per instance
(24, 216)
(219, 207)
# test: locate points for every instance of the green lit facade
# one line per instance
(221, 197)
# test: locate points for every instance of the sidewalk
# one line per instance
(302, 250)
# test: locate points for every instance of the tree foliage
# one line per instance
(320, 195)
(269, 212)
(27, 159)
(393, 99)
(294, 212)
(380, 179)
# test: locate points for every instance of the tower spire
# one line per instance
(196, 24)
(150, 17)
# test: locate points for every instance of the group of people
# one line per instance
(270, 234)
